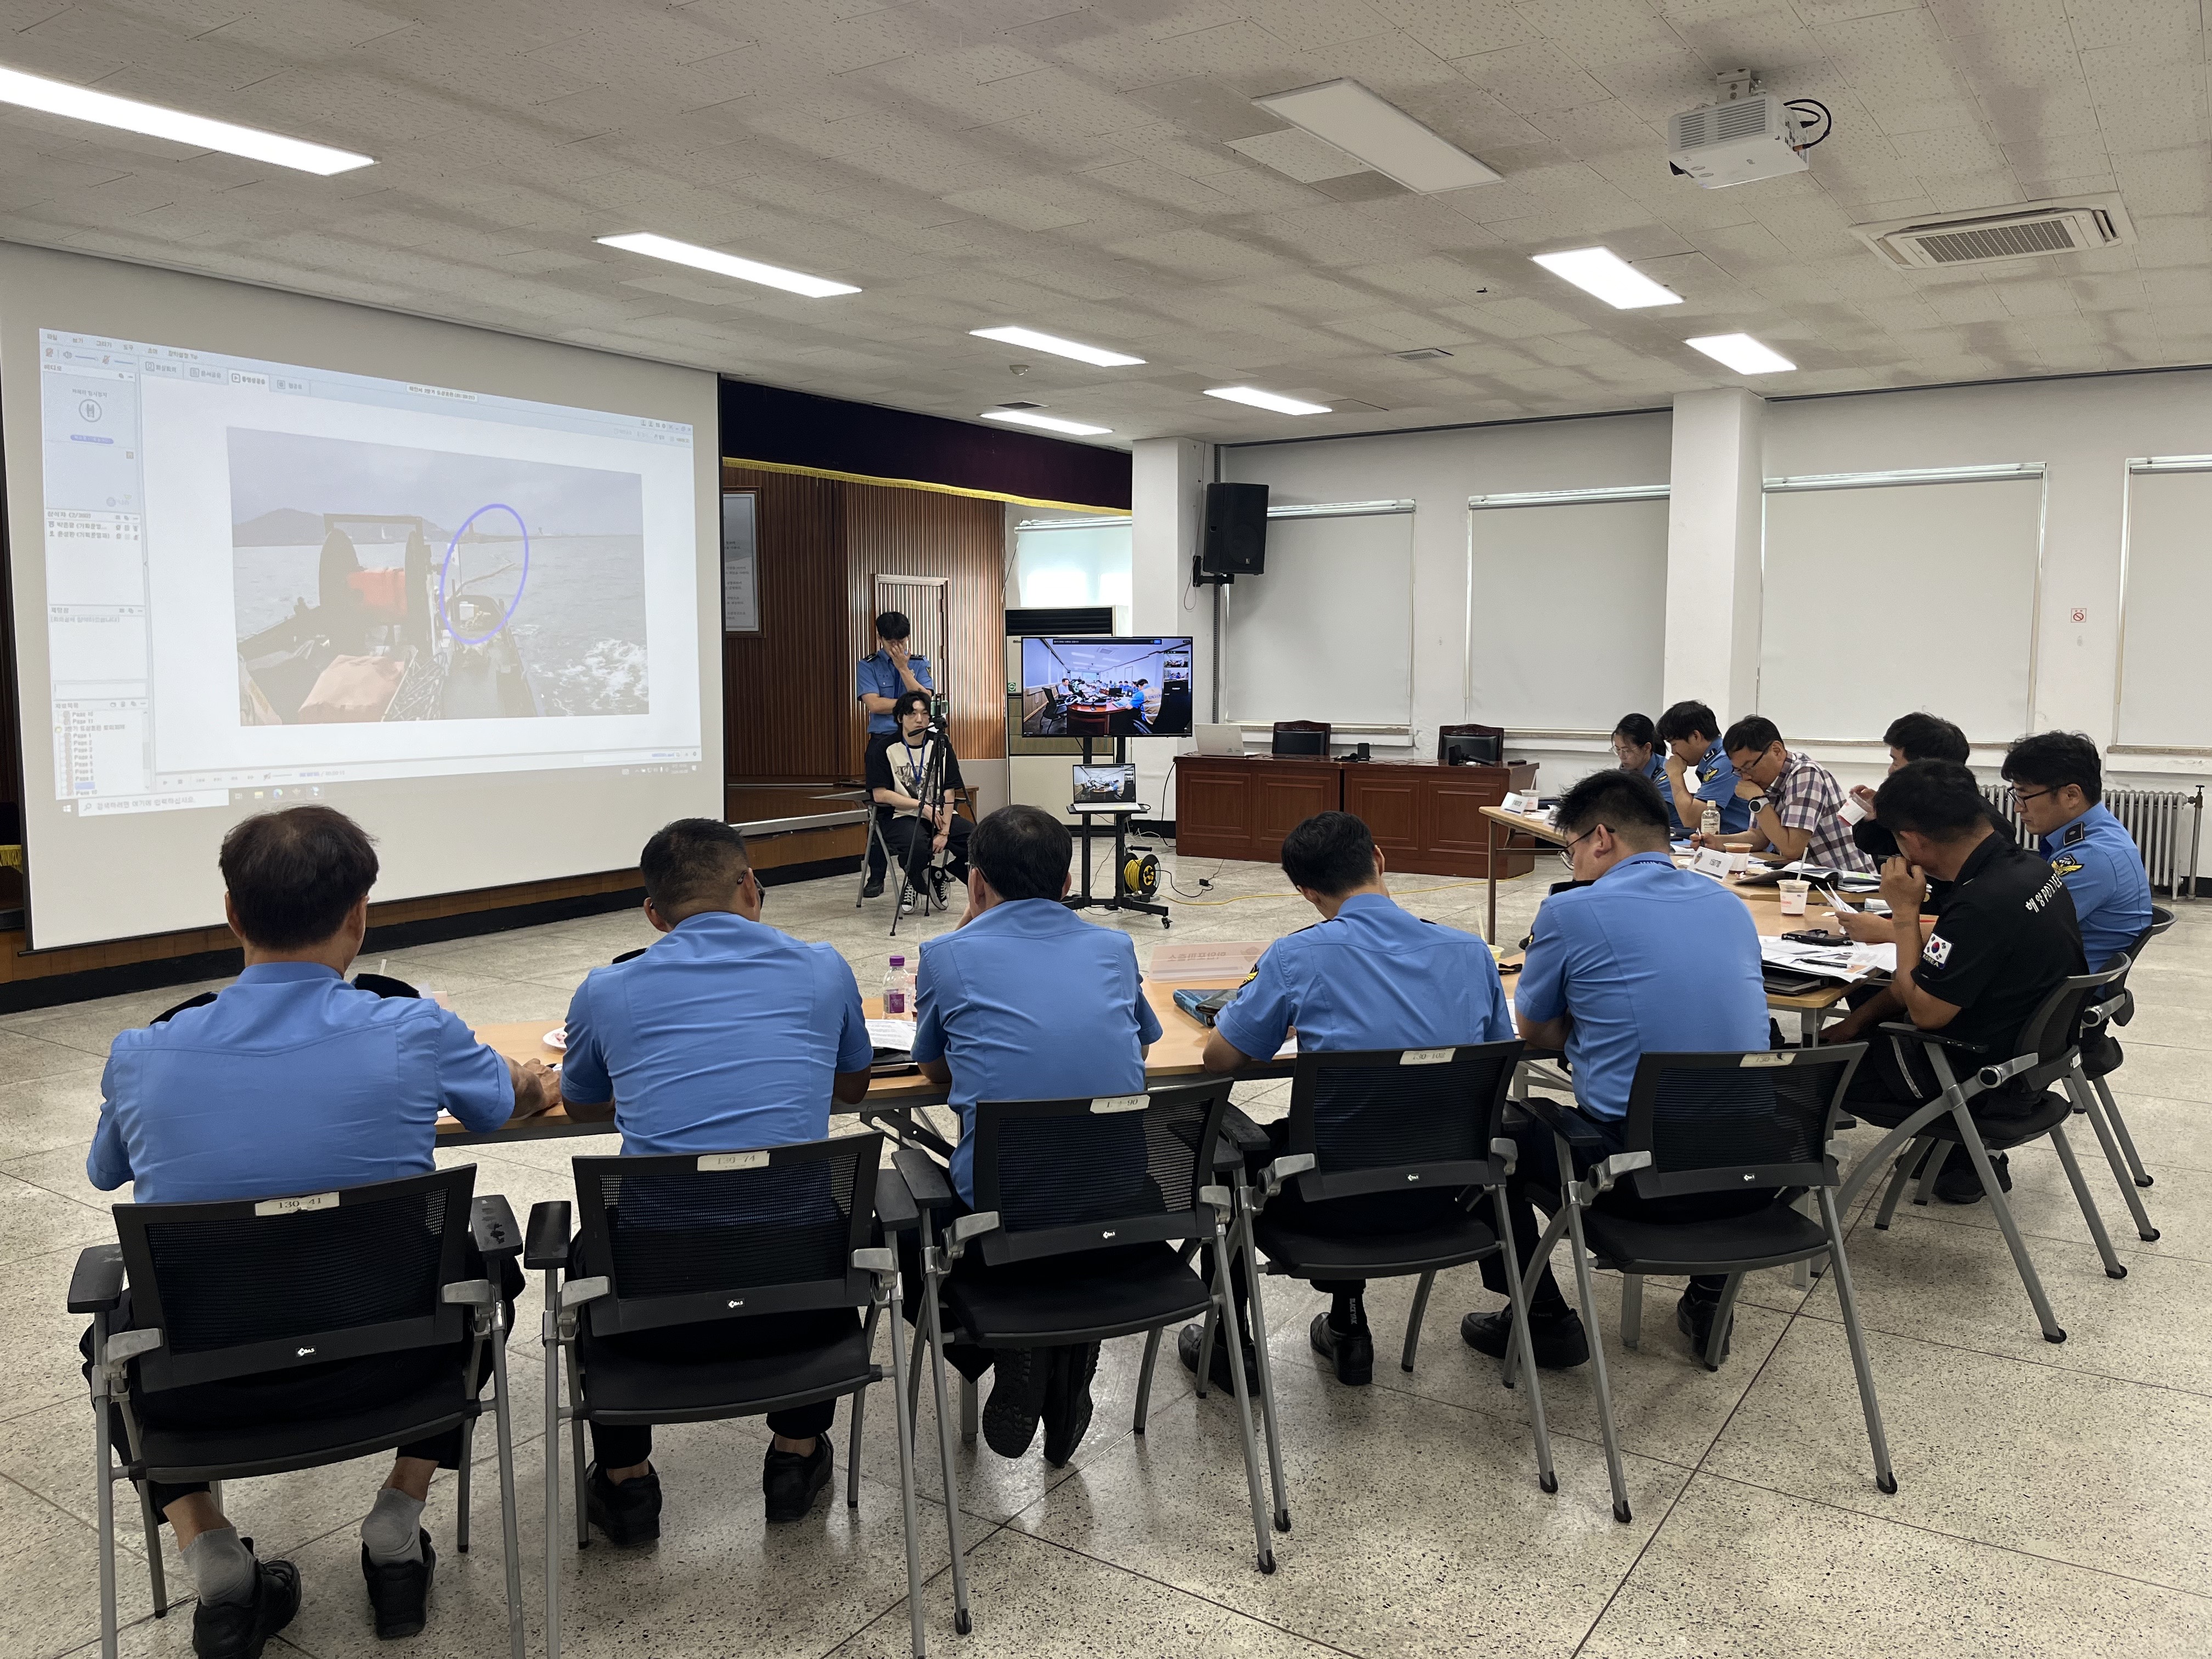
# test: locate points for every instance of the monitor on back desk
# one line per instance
(1312, 743)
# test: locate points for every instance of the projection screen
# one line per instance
(265, 549)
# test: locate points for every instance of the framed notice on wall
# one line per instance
(740, 565)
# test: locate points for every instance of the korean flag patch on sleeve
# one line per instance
(1937, 952)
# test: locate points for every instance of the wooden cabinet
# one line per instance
(1426, 819)
(1229, 806)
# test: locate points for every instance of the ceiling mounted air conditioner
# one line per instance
(2075, 225)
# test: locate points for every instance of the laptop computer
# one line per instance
(1220, 739)
(1108, 788)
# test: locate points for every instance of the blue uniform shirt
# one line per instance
(876, 675)
(1647, 958)
(724, 1036)
(2105, 876)
(291, 1081)
(1372, 976)
(1029, 1002)
(1714, 780)
(1656, 771)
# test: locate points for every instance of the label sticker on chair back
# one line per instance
(294, 1206)
(1120, 1102)
(732, 1161)
(1426, 1056)
(1778, 1057)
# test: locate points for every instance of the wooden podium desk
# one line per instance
(1426, 819)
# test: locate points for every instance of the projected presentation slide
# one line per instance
(1105, 688)
(266, 579)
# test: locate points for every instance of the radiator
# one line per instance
(2164, 822)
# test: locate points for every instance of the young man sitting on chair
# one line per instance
(1645, 958)
(725, 1035)
(1366, 975)
(292, 1080)
(917, 831)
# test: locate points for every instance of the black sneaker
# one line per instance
(238, 1630)
(938, 885)
(399, 1591)
(1558, 1341)
(1693, 1317)
(1016, 1401)
(874, 888)
(1959, 1183)
(1187, 1346)
(1067, 1403)
(629, 1514)
(790, 1483)
(1351, 1351)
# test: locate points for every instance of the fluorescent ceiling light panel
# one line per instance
(728, 264)
(1058, 347)
(1259, 399)
(1046, 422)
(1602, 272)
(1346, 114)
(1741, 352)
(82, 104)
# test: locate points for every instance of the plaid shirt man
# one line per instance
(1807, 797)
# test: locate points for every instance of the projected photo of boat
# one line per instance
(518, 593)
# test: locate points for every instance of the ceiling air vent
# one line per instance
(1421, 354)
(2077, 225)
(1020, 405)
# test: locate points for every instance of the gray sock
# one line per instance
(393, 1530)
(223, 1567)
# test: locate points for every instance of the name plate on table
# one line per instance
(1524, 802)
(1711, 862)
(709, 1161)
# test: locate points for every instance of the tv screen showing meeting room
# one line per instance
(1105, 688)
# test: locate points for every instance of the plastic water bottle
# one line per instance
(898, 991)
(1709, 821)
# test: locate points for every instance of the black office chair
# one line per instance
(2100, 1056)
(1724, 1122)
(686, 1240)
(1386, 1121)
(254, 1288)
(2049, 1043)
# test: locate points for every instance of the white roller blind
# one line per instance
(1327, 633)
(1074, 563)
(2166, 686)
(1879, 599)
(1591, 575)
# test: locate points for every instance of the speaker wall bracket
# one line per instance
(1202, 577)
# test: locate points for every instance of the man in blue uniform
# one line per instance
(1636, 746)
(1025, 1001)
(294, 1081)
(725, 1035)
(878, 681)
(1646, 958)
(2057, 784)
(1698, 769)
(1367, 976)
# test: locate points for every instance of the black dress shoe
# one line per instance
(790, 1483)
(1693, 1317)
(1959, 1182)
(1016, 1401)
(238, 1630)
(1559, 1341)
(1067, 1403)
(399, 1591)
(629, 1514)
(1187, 1346)
(1351, 1351)
(874, 888)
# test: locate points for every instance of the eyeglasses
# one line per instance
(2018, 796)
(1567, 851)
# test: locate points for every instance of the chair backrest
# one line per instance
(2053, 1031)
(1301, 738)
(688, 1238)
(1737, 1121)
(1092, 1173)
(251, 1285)
(1396, 1120)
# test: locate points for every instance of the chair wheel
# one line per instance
(963, 1622)
(1886, 1484)
(2116, 1272)
(1548, 1482)
(1282, 1521)
(1267, 1561)
(2059, 1337)
(1620, 1511)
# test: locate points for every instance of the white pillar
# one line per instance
(1713, 545)
(1167, 499)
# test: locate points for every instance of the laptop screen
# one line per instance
(1105, 785)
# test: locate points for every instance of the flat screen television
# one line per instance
(1105, 687)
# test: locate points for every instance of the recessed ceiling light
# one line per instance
(82, 104)
(1346, 114)
(1047, 422)
(1602, 272)
(1259, 399)
(1741, 352)
(1058, 347)
(728, 265)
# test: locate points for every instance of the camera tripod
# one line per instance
(929, 798)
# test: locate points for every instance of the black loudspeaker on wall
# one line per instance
(1236, 543)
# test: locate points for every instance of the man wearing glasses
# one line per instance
(2057, 784)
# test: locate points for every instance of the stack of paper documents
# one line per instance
(891, 1033)
(1847, 963)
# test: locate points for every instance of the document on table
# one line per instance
(891, 1034)
(1223, 960)
(1847, 963)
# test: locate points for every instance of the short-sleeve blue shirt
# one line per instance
(1714, 777)
(726, 1035)
(2105, 876)
(291, 1081)
(1372, 976)
(1648, 958)
(1029, 1002)
(1655, 769)
(878, 677)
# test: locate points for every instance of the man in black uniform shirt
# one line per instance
(2006, 937)
(897, 771)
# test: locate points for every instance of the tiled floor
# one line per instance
(2054, 1499)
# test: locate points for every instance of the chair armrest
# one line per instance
(96, 1287)
(1566, 1121)
(491, 1224)
(1289, 1164)
(974, 1227)
(548, 1243)
(926, 1182)
(896, 1210)
(1239, 1131)
(1906, 1028)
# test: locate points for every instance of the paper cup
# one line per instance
(1737, 862)
(1794, 894)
